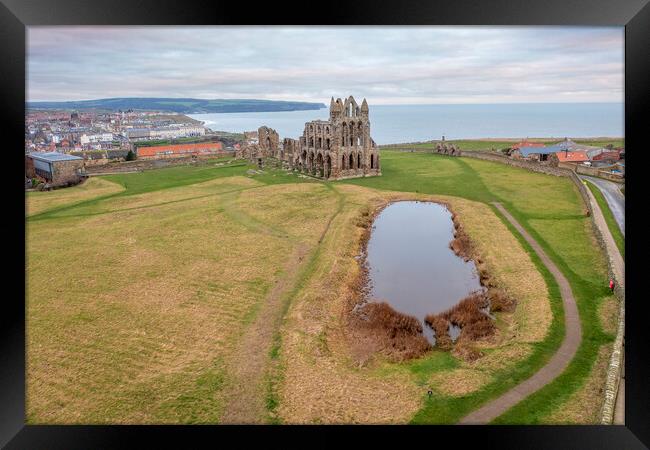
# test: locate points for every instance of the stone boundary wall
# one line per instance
(529, 165)
(593, 172)
(143, 164)
(616, 359)
(614, 367)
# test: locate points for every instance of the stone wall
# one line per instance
(529, 165)
(29, 167)
(146, 164)
(65, 172)
(593, 172)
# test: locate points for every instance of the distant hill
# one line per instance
(179, 105)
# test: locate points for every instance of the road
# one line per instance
(615, 199)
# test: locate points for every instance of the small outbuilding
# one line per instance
(56, 168)
(532, 153)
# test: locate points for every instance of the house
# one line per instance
(56, 168)
(576, 157)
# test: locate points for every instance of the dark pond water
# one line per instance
(411, 265)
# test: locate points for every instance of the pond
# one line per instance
(410, 264)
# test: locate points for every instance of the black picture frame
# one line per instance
(16, 15)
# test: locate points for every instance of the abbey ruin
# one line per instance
(338, 148)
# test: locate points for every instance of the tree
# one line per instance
(130, 156)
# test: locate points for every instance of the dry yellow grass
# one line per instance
(459, 382)
(320, 383)
(38, 202)
(501, 358)
(608, 314)
(323, 384)
(131, 314)
(584, 405)
(294, 210)
(511, 268)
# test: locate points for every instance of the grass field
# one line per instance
(609, 218)
(146, 293)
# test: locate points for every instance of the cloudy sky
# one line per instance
(388, 65)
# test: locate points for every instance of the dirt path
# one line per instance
(245, 394)
(560, 359)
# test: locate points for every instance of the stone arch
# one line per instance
(344, 161)
(351, 161)
(328, 143)
(372, 161)
(359, 161)
(319, 143)
(311, 142)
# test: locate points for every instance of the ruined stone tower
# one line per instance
(340, 147)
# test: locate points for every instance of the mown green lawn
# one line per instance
(551, 209)
(609, 218)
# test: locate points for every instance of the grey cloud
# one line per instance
(386, 64)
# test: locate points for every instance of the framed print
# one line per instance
(248, 222)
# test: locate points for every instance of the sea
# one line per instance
(392, 124)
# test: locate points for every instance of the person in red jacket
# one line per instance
(611, 285)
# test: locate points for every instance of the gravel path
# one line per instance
(560, 359)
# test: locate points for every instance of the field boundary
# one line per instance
(616, 266)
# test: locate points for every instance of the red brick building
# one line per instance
(181, 150)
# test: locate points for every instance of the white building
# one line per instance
(177, 132)
(86, 139)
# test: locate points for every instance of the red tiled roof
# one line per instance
(177, 149)
(607, 155)
(577, 156)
